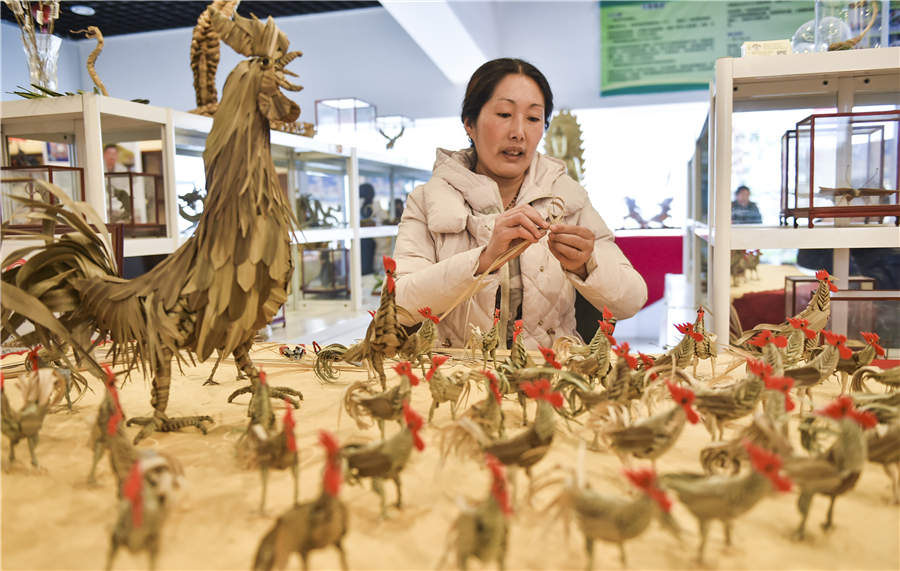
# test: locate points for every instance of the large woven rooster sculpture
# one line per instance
(221, 286)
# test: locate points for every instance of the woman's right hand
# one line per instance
(520, 223)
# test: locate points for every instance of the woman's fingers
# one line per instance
(520, 218)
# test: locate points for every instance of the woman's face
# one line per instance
(508, 128)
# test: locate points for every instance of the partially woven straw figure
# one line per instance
(215, 292)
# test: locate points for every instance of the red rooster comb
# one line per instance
(645, 480)
(371, 313)
(607, 314)
(550, 357)
(390, 266)
(517, 329)
(131, 490)
(823, 275)
(498, 485)
(700, 313)
(688, 329)
(607, 328)
(647, 361)
(768, 464)
(873, 339)
(622, 352)
(784, 386)
(842, 407)
(113, 423)
(802, 325)
(329, 443)
(289, 424)
(684, 397)
(436, 362)
(765, 337)
(34, 359)
(426, 313)
(414, 423)
(331, 479)
(494, 384)
(262, 377)
(405, 369)
(839, 341)
(541, 390)
(759, 368)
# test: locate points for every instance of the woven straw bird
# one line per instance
(221, 286)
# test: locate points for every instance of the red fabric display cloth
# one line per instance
(653, 257)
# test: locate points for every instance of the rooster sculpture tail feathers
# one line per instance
(48, 288)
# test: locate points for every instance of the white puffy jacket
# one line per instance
(447, 223)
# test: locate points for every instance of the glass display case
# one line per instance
(138, 201)
(324, 269)
(842, 166)
(321, 190)
(798, 290)
(20, 181)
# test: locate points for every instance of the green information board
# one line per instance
(671, 46)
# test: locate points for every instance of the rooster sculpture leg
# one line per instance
(245, 365)
(159, 399)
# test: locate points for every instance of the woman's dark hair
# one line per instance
(485, 79)
(366, 192)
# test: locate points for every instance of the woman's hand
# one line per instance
(510, 228)
(572, 246)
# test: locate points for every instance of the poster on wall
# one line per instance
(648, 47)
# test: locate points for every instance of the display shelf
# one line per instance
(313, 235)
(377, 231)
(331, 174)
(838, 80)
(87, 121)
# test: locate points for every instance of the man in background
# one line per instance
(743, 210)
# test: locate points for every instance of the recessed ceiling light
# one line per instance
(82, 10)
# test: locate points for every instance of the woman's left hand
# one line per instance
(572, 246)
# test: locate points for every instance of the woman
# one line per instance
(485, 199)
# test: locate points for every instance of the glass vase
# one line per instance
(848, 24)
(43, 57)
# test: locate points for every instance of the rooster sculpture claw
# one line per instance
(151, 424)
(281, 393)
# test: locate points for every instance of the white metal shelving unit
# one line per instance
(87, 121)
(759, 83)
(294, 149)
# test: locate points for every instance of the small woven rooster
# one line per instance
(835, 470)
(615, 519)
(649, 438)
(725, 498)
(311, 525)
(385, 459)
(482, 531)
(265, 449)
(445, 389)
(383, 406)
(385, 337)
(41, 389)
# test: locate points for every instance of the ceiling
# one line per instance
(117, 18)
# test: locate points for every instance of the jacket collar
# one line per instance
(454, 185)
